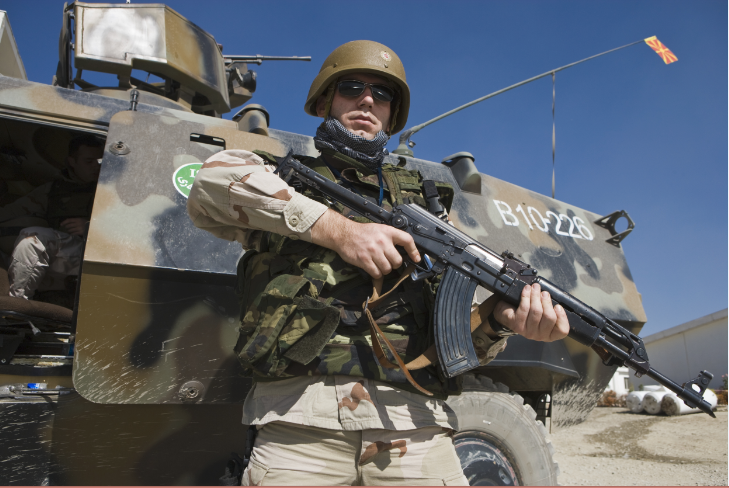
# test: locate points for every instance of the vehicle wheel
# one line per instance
(498, 441)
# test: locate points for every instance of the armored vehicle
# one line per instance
(129, 378)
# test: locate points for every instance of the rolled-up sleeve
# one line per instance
(486, 347)
(236, 195)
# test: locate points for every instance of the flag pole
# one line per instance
(405, 145)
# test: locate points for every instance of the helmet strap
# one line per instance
(393, 117)
(330, 97)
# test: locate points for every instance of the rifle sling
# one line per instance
(478, 316)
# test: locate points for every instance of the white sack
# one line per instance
(672, 405)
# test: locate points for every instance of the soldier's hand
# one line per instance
(75, 226)
(367, 246)
(535, 318)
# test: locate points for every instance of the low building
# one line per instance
(682, 351)
(620, 382)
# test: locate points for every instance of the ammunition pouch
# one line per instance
(283, 318)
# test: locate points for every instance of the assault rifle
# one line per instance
(465, 263)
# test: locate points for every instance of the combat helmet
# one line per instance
(364, 57)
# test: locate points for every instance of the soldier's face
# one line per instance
(86, 163)
(363, 115)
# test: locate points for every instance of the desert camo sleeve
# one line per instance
(486, 348)
(236, 195)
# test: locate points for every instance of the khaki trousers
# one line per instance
(42, 257)
(292, 454)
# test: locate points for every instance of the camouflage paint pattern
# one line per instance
(53, 106)
(67, 439)
(158, 313)
(145, 259)
(139, 221)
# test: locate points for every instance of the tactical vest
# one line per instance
(68, 199)
(301, 304)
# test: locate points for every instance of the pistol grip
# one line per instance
(452, 323)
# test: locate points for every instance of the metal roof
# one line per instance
(706, 319)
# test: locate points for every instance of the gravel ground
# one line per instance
(617, 448)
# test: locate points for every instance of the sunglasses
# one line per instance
(354, 88)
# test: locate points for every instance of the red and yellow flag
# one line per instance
(665, 53)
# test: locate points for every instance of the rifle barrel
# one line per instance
(682, 392)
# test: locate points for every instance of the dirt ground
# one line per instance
(619, 448)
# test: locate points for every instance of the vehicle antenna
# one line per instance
(405, 147)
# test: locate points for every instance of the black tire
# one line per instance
(498, 441)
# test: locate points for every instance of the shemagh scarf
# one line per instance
(332, 134)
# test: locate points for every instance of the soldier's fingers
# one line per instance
(394, 257)
(522, 312)
(506, 315)
(404, 239)
(562, 327)
(370, 268)
(382, 263)
(535, 309)
(363, 261)
(549, 317)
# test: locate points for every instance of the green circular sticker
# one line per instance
(184, 177)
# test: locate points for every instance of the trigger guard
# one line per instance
(420, 273)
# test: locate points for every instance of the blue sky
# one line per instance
(632, 133)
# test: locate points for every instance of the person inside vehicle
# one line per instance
(44, 256)
(327, 411)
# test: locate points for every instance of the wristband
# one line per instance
(499, 329)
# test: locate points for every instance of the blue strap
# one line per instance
(333, 170)
(379, 177)
(354, 189)
(344, 182)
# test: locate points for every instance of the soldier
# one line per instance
(327, 411)
(44, 256)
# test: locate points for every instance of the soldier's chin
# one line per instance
(364, 132)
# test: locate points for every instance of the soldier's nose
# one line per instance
(366, 97)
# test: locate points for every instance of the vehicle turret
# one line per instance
(119, 38)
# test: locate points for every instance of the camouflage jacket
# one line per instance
(301, 303)
(69, 199)
(53, 202)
